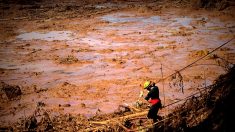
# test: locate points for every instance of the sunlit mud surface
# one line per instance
(92, 65)
(50, 36)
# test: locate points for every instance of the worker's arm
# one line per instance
(148, 95)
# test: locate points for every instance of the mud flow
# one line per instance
(93, 63)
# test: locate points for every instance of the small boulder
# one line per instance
(11, 91)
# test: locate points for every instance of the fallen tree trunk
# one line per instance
(119, 118)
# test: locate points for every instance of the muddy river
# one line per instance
(92, 65)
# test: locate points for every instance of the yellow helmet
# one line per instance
(146, 84)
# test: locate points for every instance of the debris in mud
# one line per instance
(83, 105)
(6, 129)
(38, 90)
(119, 61)
(41, 104)
(198, 77)
(199, 53)
(42, 120)
(11, 91)
(213, 56)
(64, 105)
(208, 4)
(181, 33)
(128, 123)
(70, 59)
(81, 50)
(31, 123)
(224, 63)
(122, 109)
(65, 84)
(177, 81)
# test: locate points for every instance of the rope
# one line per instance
(197, 60)
(163, 94)
(201, 89)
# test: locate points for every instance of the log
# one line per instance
(120, 118)
(120, 124)
(135, 109)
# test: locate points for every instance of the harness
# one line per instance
(154, 101)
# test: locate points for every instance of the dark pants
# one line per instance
(152, 114)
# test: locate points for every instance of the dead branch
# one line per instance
(119, 118)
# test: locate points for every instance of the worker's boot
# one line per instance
(155, 120)
(159, 118)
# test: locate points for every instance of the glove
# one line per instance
(138, 103)
(149, 106)
(141, 94)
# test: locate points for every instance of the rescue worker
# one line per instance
(153, 98)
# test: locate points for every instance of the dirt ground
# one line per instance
(84, 58)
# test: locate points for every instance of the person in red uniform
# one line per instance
(153, 98)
